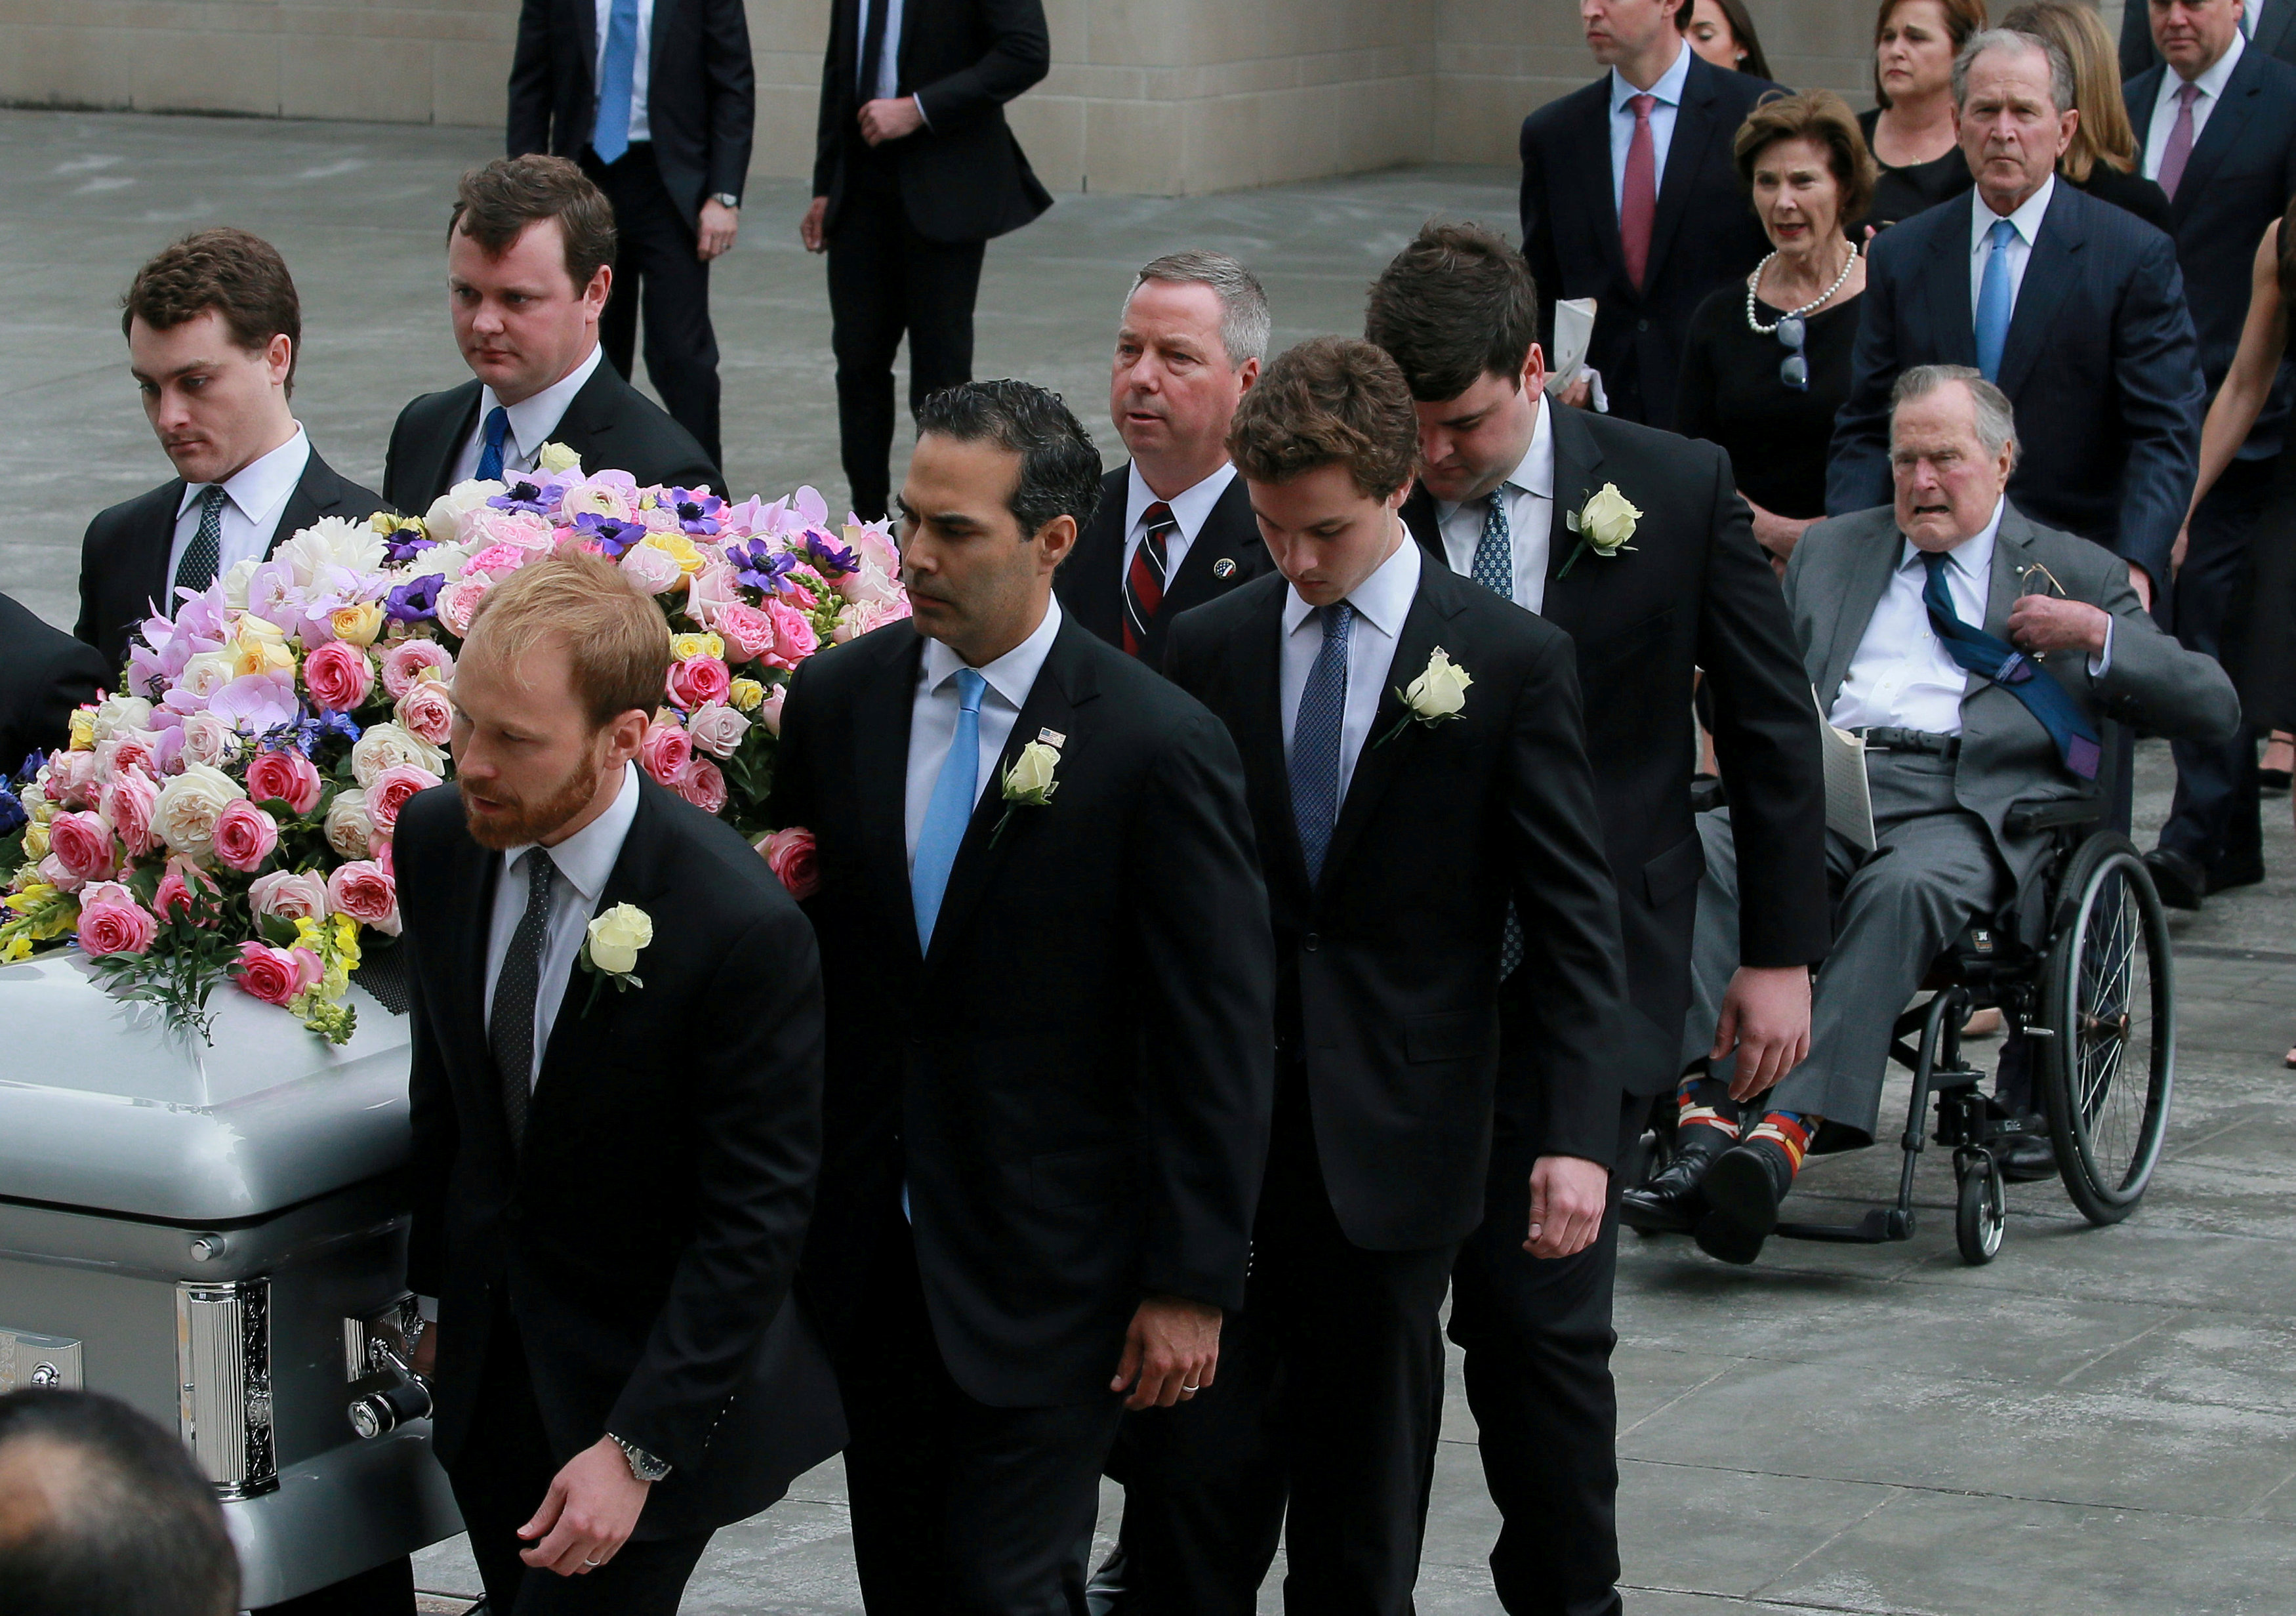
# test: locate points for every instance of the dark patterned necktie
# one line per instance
(510, 1029)
(204, 553)
(1316, 741)
(1494, 571)
(1144, 580)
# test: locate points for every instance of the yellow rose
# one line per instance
(746, 694)
(1030, 779)
(43, 810)
(1439, 693)
(685, 647)
(35, 843)
(259, 648)
(556, 457)
(83, 730)
(1607, 520)
(678, 548)
(616, 936)
(357, 625)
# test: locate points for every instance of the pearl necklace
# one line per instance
(1754, 281)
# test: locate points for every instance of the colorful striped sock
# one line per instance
(1789, 1130)
(1705, 1103)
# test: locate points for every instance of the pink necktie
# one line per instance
(2178, 152)
(1638, 207)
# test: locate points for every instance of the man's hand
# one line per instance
(1777, 534)
(2141, 580)
(1170, 1353)
(1580, 394)
(718, 226)
(2176, 557)
(1568, 1195)
(589, 1513)
(808, 228)
(884, 120)
(2044, 623)
(425, 1360)
(1765, 1018)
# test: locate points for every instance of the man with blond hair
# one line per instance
(612, 995)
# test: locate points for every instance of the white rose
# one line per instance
(716, 730)
(556, 457)
(208, 739)
(386, 746)
(351, 830)
(1441, 692)
(114, 714)
(616, 936)
(444, 518)
(1607, 520)
(234, 583)
(207, 673)
(331, 542)
(185, 814)
(650, 571)
(1030, 778)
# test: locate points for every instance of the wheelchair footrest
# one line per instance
(1878, 1227)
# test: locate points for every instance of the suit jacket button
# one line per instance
(1641, 324)
(1310, 942)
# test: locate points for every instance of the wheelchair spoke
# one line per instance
(2115, 1024)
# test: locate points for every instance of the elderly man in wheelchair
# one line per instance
(1980, 656)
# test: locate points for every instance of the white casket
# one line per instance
(212, 1233)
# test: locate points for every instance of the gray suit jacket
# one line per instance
(2152, 684)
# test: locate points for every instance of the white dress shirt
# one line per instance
(2210, 84)
(1527, 498)
(254, 496)
(584, 861)
(933, 717)
(640, 130)
(1669, 92)
(531, 421)
(1189, 509)
(885, 83)
(1381, 602)
(2027, 222)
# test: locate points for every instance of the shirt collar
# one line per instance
(1972, 557)
(1383, 599)
(1533, 474)
(2027, 218)
(533, 420)
(2212, 82)
(587, 858)
(1668, 89)
(1190, 506)
(1012, 676)
(260, 486)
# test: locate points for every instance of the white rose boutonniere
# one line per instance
(1604, 524)
(557, 458)
(610, 947)
(1030, 783)
(1436, 696)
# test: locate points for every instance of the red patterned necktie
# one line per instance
(1144, 580)
(1638, 207)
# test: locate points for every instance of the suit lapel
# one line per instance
(636, 879)
(880, 756)
(1869, 576)
(154, 542)
(2226, 130)
(444, 447)
(1096, 595)
(2050, 271)
(317, 493)
(1215, 543)
(585, 31)
(1951, 313)
(2273, 27)
(1577, 473)
(1255, 715)
(1593, 169)
(1377, 765)
(1693, 127)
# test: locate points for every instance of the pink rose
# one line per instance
(699, 681)
(390, 791)
(82, 843)
(109, 926)
(277, 976)
(128, 749)
(175, 891)
(366, 892)
(789, 855)
(244, 836)
(665, 752)
(285, 775)
(426, 713)
(709, 592)
(716, 730)
(405, 664)
(794, 639)
(127, 803)
(383, 857)
(866, 616)
(769, 710)
(337, 674)
(497, 561)
(703, 783)
(208, 739)
(651, 571)
(457, 602)
(289, 895)
(747, 632)
(71, 778)
(521, 529)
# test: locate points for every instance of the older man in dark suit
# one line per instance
(2265, 24)
(1660, 225)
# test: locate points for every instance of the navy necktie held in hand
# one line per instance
(1996, 660)
(1316, 740)
(490, 444)
(610, 137)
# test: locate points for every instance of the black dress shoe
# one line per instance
(2179, 880)
(2235, 872)
(1670, 1203)
(1742, 1190)
(2027, 1159)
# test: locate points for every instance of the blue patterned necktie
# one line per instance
(950, 810)
(204, 554)
(490, 444)
(1495, 549)
(1991, 658)
(610, 138)
(1316, 741)
(1995, 302)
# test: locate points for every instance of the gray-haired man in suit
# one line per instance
(1977, 652)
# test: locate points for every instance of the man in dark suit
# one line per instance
(657, 100)
(2265, 24)
(214, 328)
(1502, 481)
(913, 171)
(1050, 1049)
(1174, 528)
(1414, 753)
(1648, 234)
(44, 674)
(530, 267)
(2217, 125)
(610, 1388)
(2074, 307)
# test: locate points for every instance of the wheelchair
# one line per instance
(2081, 970)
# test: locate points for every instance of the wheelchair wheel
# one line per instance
(1981, 1215)
(2108, 996)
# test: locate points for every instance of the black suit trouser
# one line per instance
(1537, 1337)
(959, 1509)
(885, 280)
(1329, 1396)
(2215, 819)
(500, 1479)
(658, 266)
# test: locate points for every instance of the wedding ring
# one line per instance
(1191, 1387)
(593, 1562)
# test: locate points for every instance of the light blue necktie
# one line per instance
(950, 810)
(611, 135)
(490, 446)
(1994, 301)
(1316, 741)
(1495, 550)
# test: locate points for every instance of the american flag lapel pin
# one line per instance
(1052, 737)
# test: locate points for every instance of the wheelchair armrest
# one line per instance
(2066, 813)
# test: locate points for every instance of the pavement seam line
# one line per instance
(1671, 1401)
(1847, 1527)
(1773, 1604)
(2067, 1378)
(1948, 1492)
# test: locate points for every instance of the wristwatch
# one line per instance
(726, 199)
(643, 1465)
